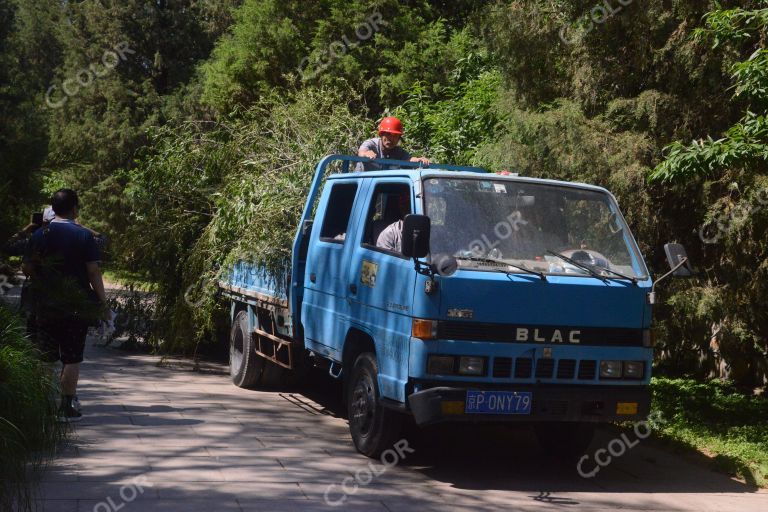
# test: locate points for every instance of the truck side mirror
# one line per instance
(679, 265)
(678, 260)
(416, 231)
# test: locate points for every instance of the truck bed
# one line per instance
(251, 281)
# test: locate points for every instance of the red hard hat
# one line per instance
(391, 125)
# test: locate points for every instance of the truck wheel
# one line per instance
(567, 440)
(373, 427)
(245, 366)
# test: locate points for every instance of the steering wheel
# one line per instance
(588, 257)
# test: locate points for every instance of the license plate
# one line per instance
(498, 402)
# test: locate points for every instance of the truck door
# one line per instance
(381, 282)
(326, 308)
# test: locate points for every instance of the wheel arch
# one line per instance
(236, 307)
(356, 343)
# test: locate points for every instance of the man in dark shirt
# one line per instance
(386, 146)
(62, 260)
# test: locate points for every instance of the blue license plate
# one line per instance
(498, 402)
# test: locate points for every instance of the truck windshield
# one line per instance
(485, 223)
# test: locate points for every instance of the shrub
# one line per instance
(28, 429)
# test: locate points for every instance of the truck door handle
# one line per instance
(353, 288)
(312, 277)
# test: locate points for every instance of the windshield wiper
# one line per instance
(580, 265)
(618, 274)
(588, 268)
(541, 275)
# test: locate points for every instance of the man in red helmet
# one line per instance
(386, 146)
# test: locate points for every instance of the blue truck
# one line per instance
(452, 294)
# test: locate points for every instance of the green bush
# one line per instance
(28, 429)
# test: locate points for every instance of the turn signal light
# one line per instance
(649, 338)
(626, 408)
(424, 329)
(453, 407)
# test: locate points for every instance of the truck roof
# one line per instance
(415, 174)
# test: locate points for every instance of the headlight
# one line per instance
(610, 369)
(441, 365)
(469, 365)
(634, 369)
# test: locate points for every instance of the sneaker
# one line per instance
(68, 413)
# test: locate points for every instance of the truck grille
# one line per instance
(587, 369)
(523, 367)
(545, 368)
(566, 368)
(502, 367)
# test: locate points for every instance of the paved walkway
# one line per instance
(168, 439)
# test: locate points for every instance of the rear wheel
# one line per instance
(373, 427)
(567, 440)
(245, 366)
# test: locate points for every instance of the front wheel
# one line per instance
(373, 427)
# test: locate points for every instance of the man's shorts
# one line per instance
(62, 339)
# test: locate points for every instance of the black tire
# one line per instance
(373, 427)
(565, 440)
(245, 366)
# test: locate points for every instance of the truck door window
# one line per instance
(337, 213)
(390, 203)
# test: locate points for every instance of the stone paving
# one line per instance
(168, 439)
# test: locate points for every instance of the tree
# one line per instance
(27, 48)
(378, 47)
(732, 172)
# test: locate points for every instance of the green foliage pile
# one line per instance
(28, 429)
(716, 418)
(213, 194)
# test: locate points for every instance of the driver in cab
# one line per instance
(391, 238)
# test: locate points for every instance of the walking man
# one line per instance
(386, 145)
(62, 261)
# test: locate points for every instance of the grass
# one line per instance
(714, 418)
(28, 428)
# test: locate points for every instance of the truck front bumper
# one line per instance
(595, 404)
